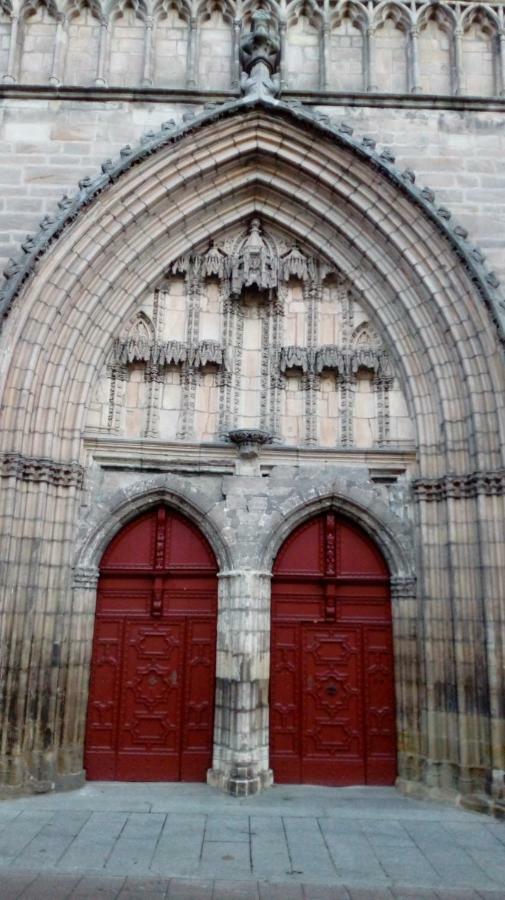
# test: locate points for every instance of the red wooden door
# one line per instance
(332, 716)
(151, 700)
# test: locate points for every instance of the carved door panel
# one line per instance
(151, 699)
(333, 740)
(332, 717)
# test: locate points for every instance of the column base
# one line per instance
(241, 781)
(475, 802)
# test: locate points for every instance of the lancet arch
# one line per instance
(428, 297)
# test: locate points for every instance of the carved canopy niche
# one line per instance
(252, 332)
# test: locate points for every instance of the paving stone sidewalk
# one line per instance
(176, 841)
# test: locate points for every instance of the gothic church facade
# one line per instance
(252, 381)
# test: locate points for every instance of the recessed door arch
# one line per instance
(332, 710)
(152, 680)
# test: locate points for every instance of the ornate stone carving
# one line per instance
(249, 440)
(459, 487)
(41, 469)
(252, 259)
(260, 57)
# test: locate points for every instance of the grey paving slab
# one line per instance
(225, 860)
(20, 833)
(12, 884)
(475, 836)
(52, 840)
(322, 892)
(308, 851)
(352, 853)
(227, 828)
(136, 845)
(98, 887)
(190, 890)
(281, 891)
(179, 846)
(269, 850)
(50, 887)
(406, 864)
(238, 890)
(95, 842)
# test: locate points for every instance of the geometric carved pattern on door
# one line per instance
(152, 683)
(332, 709)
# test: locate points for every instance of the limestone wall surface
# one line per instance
(47, 145)
(447, 48)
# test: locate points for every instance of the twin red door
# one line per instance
(151, 703)
(332, 717)
(152, 687)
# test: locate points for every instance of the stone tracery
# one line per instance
(242, 302)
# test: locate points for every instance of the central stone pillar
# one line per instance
(240, 761)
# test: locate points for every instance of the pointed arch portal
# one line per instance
(439, 313)
(332, 705)
(152, 682)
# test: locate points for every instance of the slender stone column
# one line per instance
(147, 78)
(282, 63)
(500, 87)
(414, 85)
(192, 46)
(11, 75)
(370, 81)
(235, 74)
(240, 760)
(457, 68)
(59, 44)
(100, 79)
(406, 641)
(325, 47)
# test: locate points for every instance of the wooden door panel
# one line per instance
(332, 688)
(151, 702)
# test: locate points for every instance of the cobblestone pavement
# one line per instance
(178, 841)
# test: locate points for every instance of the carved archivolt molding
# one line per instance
(40, 469)
(460, 487)
(18, 270)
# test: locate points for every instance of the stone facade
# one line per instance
(254, 314)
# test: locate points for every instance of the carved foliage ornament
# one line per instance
(254, 259)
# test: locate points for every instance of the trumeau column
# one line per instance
(240, 761)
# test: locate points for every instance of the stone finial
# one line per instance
(259, 57)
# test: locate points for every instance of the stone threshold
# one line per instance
(149, 94)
